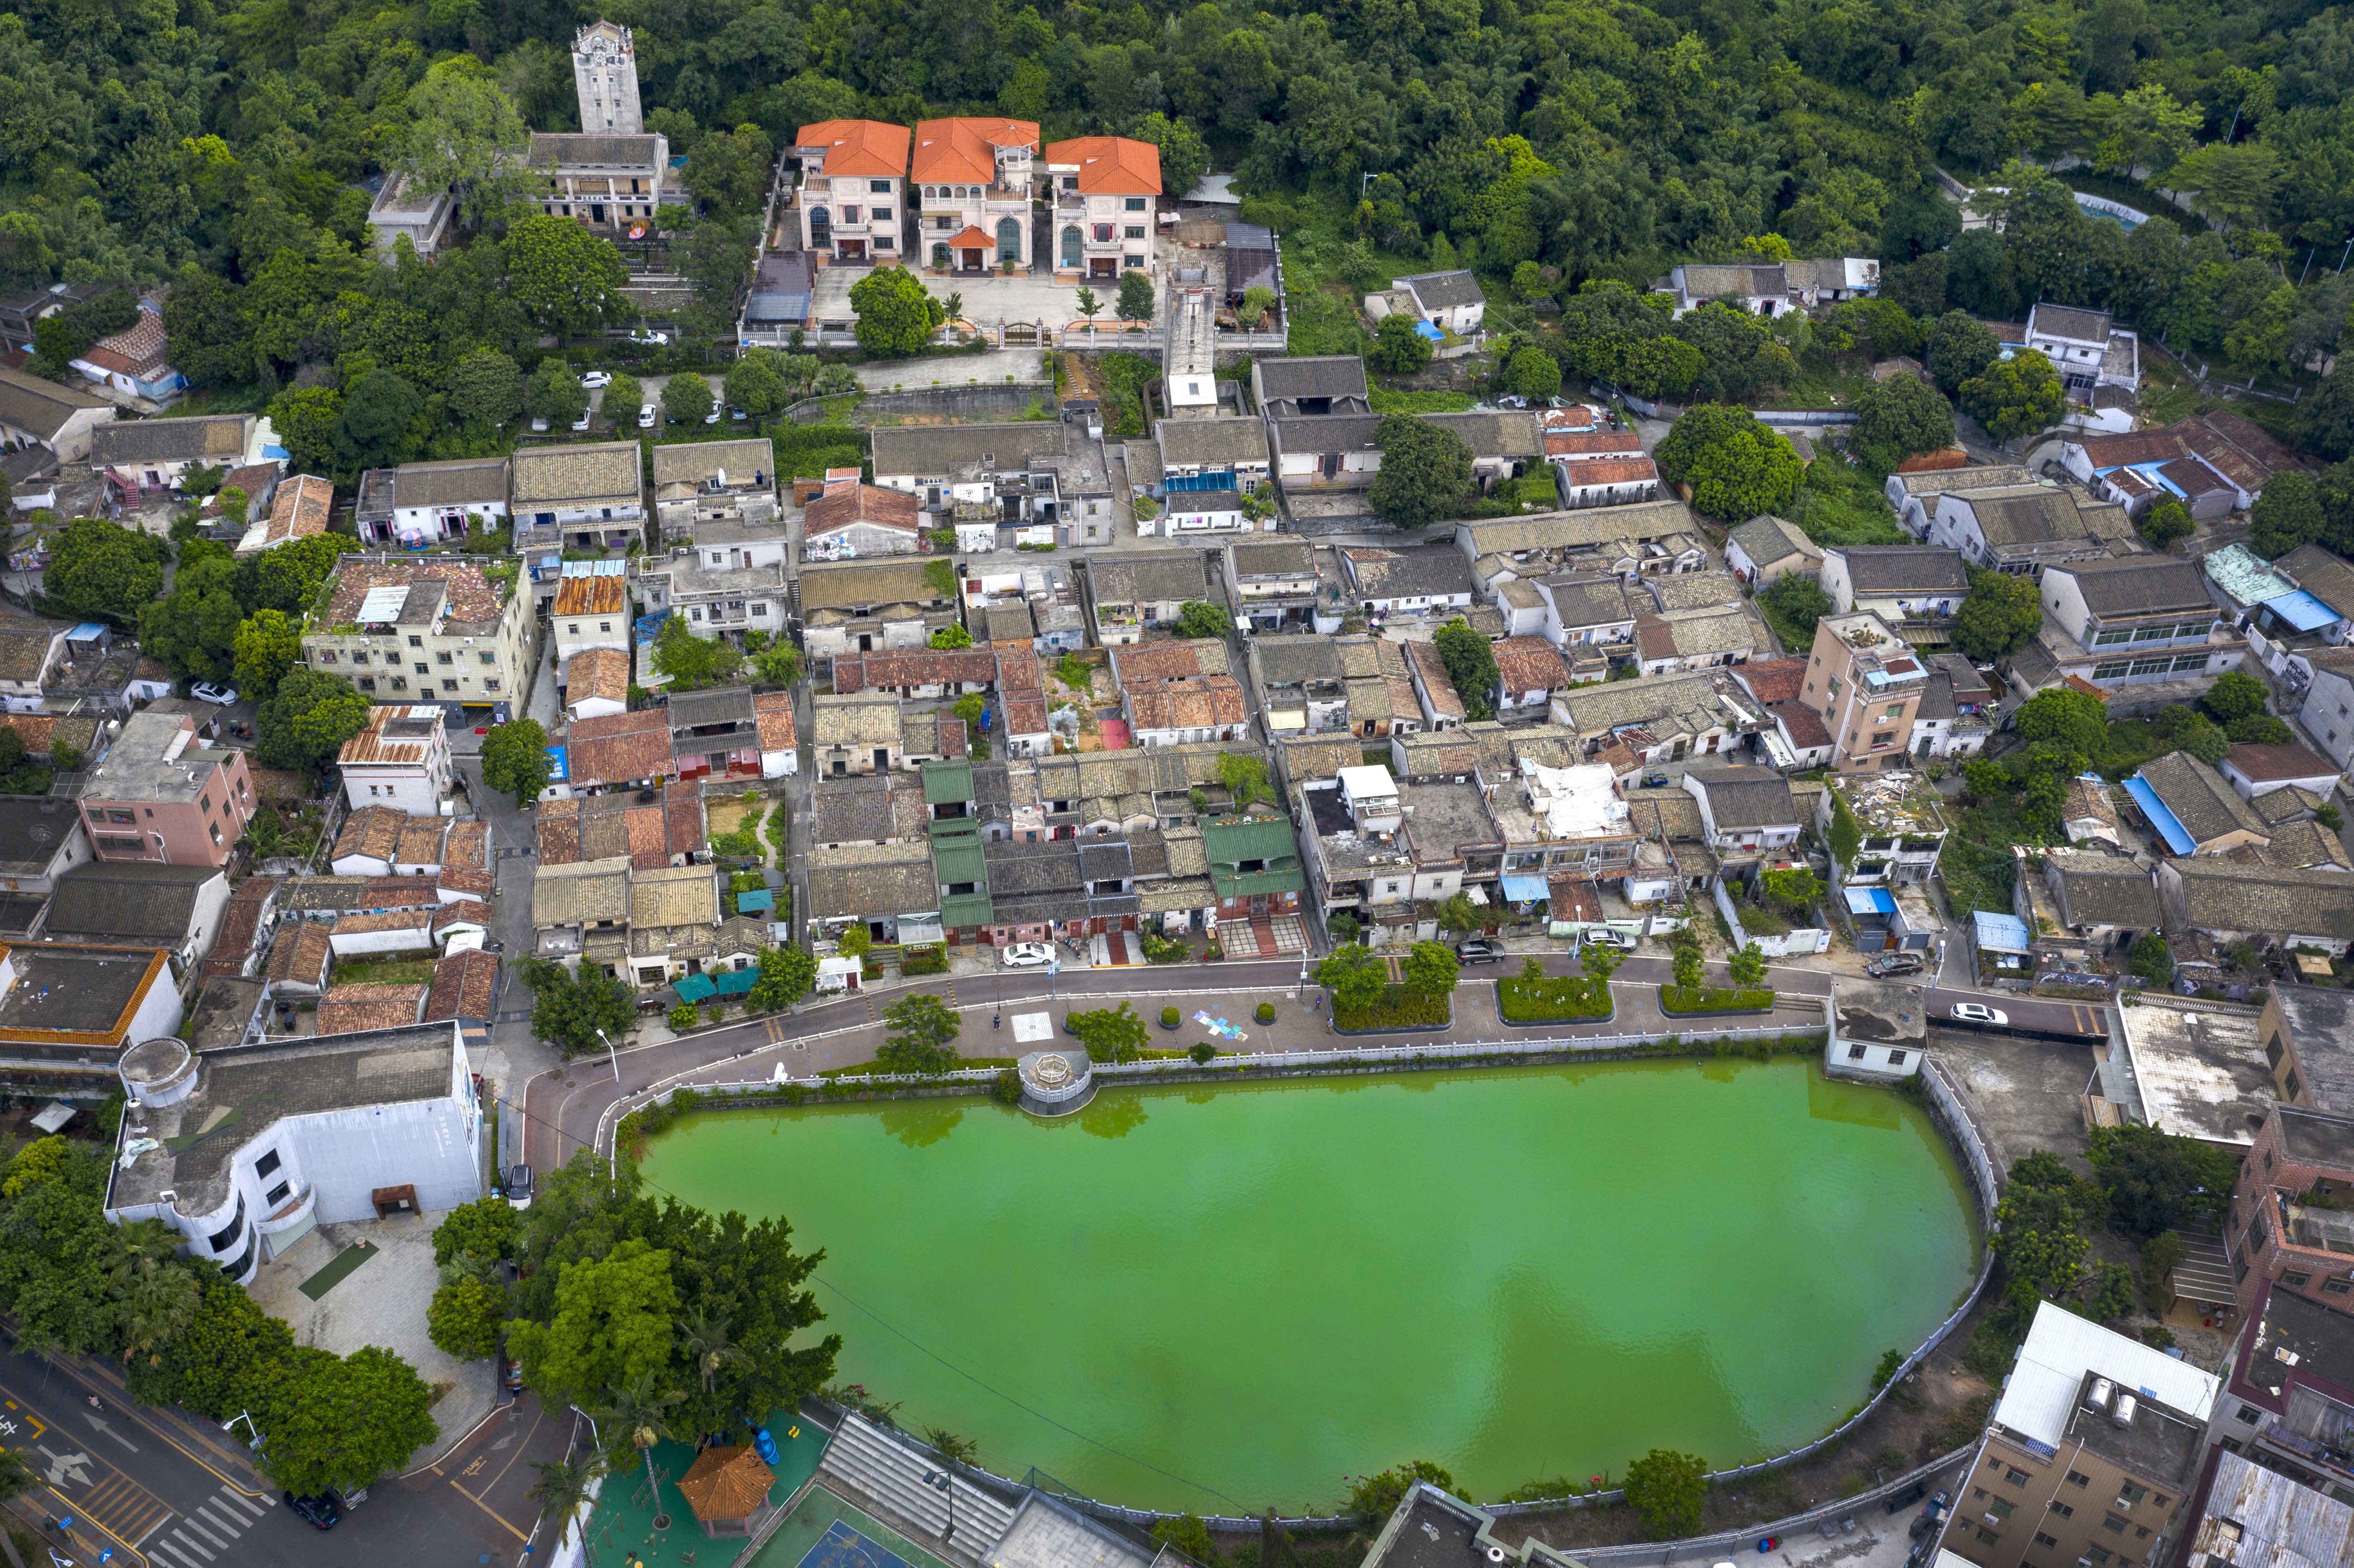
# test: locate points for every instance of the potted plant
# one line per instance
(1169, 1019)
(1266, 1014)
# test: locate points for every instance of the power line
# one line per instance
(890, 1326)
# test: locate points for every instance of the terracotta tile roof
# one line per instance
(372, 831)
(913, 667)
(849, 503)
(464, 986)
(137, 350)
(773, 712)
(1170, 661)
(302, 509)
(1437, 683)
(597, 673)
(421, 842)
(400, 892)
(384, 920)
(593, 471)
(241, 920)
(972, 237)
(618, 748)
(1805, 725)
(394, 735)
(1197, 702)
(1529, 664)
(348, 1009)
(1613, 470)
(1771, 681)
(471, 880)
(964, 149)
(1111, 165)
(299, 953)
(858, 146)
(728, 1482)
(1582, 443)
(473, 600)
(2262, 764)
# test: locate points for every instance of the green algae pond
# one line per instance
(1226, 1298)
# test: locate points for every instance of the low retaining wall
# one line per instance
(957, 400)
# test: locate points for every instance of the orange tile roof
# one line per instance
(858, 146)
(348, 1009)
(773, 712)
(846, 503)
(591, 596)
(1581, 444)
(597, 673)
(618, 748)
(969, 238)
(965, 149)
(300, 508)
(1111, 165)
(462, 987)
(1613, 470)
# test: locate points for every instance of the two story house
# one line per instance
(1106, 196)
(1904, 585)
(156, 454)
(857, 606)
(607, 181)
(2142, 618)
(1748, 814)
(2024, 528)
(700, 482)
(589, 497)
(1133, 591)
(849, 201)
(2085, 347)
(424, 502)
(1271, 584)
(1026, 482)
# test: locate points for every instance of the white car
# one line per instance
(1027, 956)
(712, 417)
(647, 416)
(582, 422)
(1978, 1012)
(539, 424)
(205, 692)
(658, 339)
(596, 378)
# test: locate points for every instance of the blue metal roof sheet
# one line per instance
(2170, 826)
(2302, 610)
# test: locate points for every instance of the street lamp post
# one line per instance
(611, 1054)
(941, 1482)
(230, 1425)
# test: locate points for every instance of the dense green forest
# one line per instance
(225, 145)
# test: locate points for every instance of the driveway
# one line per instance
(989, 301)
(997, 366)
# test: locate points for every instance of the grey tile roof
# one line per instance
(918, 449)
(689, 463)
(1148, 577)
(2064, 320)
(1904, 568)
(1272, 558)
(1316, 375)
(2326, 577)
(1585, 598)
(1582, 529)
(1713, 281)
(44, 407)
(2025, 514)
(128, 901)
(2199, 798)
(2106, 890)
(1326, 432)
(1744, 798)
(1444, 290)
(1934, 482)
(2146, 585)
(1213, 442)
(1493, 433)
(1767, 539)
(577, 149)
(1422, 571)
(1282, 661)
(216, 439)
(2223, 895)
(873, 882)
(463, 482)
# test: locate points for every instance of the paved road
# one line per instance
(159, 1492)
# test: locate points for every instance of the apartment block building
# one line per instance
(163, 795)
(2095, 1443)
(1866, 683)
(445, 629)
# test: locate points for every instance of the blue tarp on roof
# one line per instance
(693, 988)
(559, 765)
(1429, 331)
(753, 901)
(2002, 933)
(1525, 889)
(2170, 826)
(1870, 901)
(2302, 612)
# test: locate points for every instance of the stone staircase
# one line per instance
(883, 1473)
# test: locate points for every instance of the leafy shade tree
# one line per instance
(624, 396)
(1189, 1535)
(2040, 1239)
(778, 664)
(484, 1230)
(691, 662)
(2151, 959)
(2075, 720)
(287, 577)
(1798, 599)
(2000, 616)
(686, 398)
(267, 648)
(2016, 396)
(578, 1014)
(485, 387)
(1792, 888)
(2157, 1181)
(1747, 966)
(464, 133)
(1431, 969)
(379, 422)
(611, 1327)
(1471, 661)
(2235, 695)
(104, 570)
(515, 760)
(2165, 523)
(565, 278)
(1736, 467)
(555, 394)
(1900, 418)
(1135, 300)
(1425, 471)
(1352, 976)
(1184, 156)
(1957, 348)
(193, 629)
(920, 1035)
(307, 719)
(754, 386)
(1667, 1487)
(1531, 373)
(217, 1362)
(463, 1317)
(1399, 348)
(728, 170)
(1199, 618)
(1109, 1034)
(340, 1423)
(896, 315)
(786, 976)
(2287, 511)
(952, 638)
(1374, 1497)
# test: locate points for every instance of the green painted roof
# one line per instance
(945, 782)
(958, 910)
(959, 859)
(1228, 841)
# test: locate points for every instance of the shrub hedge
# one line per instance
(1675, 999)
(1557, 998)
(1396, 1008)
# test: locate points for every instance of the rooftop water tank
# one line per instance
(159, 1072)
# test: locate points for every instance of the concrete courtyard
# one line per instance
(990, 300)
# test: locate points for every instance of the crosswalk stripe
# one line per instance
(191, 1546)
(190, 1520)
(166, 1553)
(239, 1500)
(217, 1522)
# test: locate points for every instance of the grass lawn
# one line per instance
(1397, 1008)
(1411, 401)
(383, 971)
(1675, 999)
(1839, 504)
(1557, 998)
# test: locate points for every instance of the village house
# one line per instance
(421, 503)
(618, 751)
(163, 795)
(1867, 686)
(1132, 592)
(2192, 808)
(1907, 585)
(1314, 385)
(2125, 622)
(588, 497)
(1421, 583)
(1762, 289)
(1106, 192)
(2258, 771)
(2086, 348)
(1385, 683)
(298, 509)
(699, 483)
(142, 455)
(1451, 301)
(1698, 639)
(438, 628)
(1658, 718)
(715, 601)
(1271, 584)
(1955, 716)
(1748, 817)
(849, 200)
(401, 758)
(1530, 670)
(972, 180)
(857, 606)
(854, 734)
(591, 607)
(59, 419)
(2022, 529)
(1766, 548)
(858, 521)
(610, 181)
(135, 362)
(1915, 494)
(2230, 900)
(1031, 481)
(1648, 539)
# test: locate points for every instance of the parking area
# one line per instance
(2024, 1093)
(989, 299)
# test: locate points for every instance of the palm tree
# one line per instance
(155, 1307)
(708, 1343)
(639, 1414)
(564, 1485)
(957, 1451)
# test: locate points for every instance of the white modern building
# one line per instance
(401, 759)
(322, 1130)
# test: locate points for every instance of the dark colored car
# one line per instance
(1887, 964)
(1478, 952)
(322, 1510)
